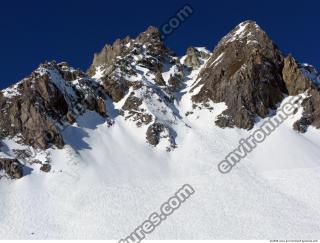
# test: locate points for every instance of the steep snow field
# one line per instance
(106, 182)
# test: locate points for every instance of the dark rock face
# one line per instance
(25, 113)
(116, 89)
(120, 60)
(107, 55)
(303, 79)
(68, 73)
(245, 72)
(311, 112)
(155, 50)
(42, 100)
(175, 82)
(296, 82)
(193, 57)
(12, 168)
(159, 79)
(132, 103)
(153, 133)
(136, 66)
(101, 107)
(158, 131)
(45, 168)
(137, 114)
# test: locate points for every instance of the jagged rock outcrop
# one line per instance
(117, 64)
(12, 167)
(303, 78)
(107, 55)
(158, 131)
(45, 168)
(137, 75)
(311, 112)
(159, 79)
(193, 57)
(295, 79)
(24, 114)
(116, 89)
(245, 72)
(153, 133)
(35, 106)
(146, 81)
(306, 80)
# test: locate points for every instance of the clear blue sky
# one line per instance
(35, 31)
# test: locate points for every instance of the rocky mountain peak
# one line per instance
(245, 62)
(143, 74)
(246, 30)
(144, 83)
(33, 109)
(107, 55)
(149, 40)
(151, 35)
(249, 38)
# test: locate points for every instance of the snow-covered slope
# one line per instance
(107, 179)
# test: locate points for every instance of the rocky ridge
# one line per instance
(246, 63)
(145, 81)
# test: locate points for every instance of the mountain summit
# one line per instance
(245, 72)
(145, 83)
(89, 154)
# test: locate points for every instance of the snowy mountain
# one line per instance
(88, 155)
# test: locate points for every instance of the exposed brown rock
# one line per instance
(120, 74)
(12, 168)
(158, 131)
(133, 110)
(193, 57)
(45, 99)
(311, 112)
(45, 168)
(107, 55)
(70, 118)
(132, 103)
(175, 82)
(245, 72)
(152, 34)
(23, 114)
(101, 107)
(68, 73)
(52, 96)
(296, 82)
(153, 133)
(159, 79)
(116, 89)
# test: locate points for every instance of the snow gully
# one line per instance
(248, 144)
